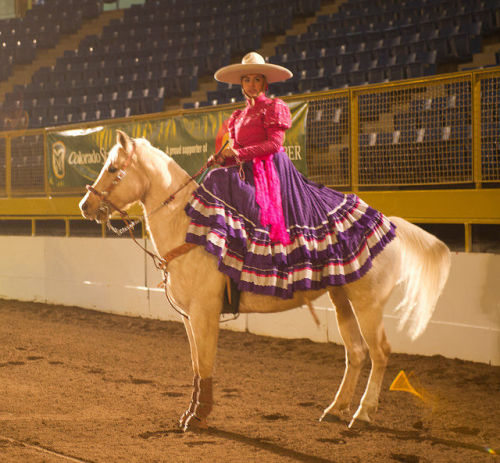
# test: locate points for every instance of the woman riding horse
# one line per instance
(283, 239)
(272, 230)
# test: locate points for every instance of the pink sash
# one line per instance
(268, 197)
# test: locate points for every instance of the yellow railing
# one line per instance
(439, 130)
(443, 130)
(427, 149)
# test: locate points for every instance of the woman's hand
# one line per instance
(229, 153)
(220, 159)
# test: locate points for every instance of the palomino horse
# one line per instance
(136, 171)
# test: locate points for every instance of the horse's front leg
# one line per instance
(202, 330)
(196, 377)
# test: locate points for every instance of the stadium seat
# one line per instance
(377, 75)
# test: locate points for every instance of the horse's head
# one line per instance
(119, 184)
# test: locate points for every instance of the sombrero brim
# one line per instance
(232, 74)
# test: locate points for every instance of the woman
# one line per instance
(274, 231)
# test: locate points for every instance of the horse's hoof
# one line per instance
(363, 416)
(357, 424)
(193, 423)
(183, 418)
(334, 415)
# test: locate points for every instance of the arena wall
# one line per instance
(112, 275)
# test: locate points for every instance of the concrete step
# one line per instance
(23, 73)
(269, 45)
(300, 26)
(487, 55)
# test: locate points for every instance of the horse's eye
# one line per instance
(112, 169)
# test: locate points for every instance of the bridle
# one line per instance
(105, 205)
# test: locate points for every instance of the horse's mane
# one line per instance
(140, 142)
(158, 159)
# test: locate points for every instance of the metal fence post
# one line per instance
(353, 140)
(8, 167)
(476, 130)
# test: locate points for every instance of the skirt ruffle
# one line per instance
(334, 236)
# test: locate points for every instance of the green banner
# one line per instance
(190, 139)
(75, 157)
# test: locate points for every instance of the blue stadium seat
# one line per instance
(377, 75)
(366, 60)
(358, 78)
(339, 80)
(396, 73)
(463, 46)
(426, 57)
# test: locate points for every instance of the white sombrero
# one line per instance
(252, 63)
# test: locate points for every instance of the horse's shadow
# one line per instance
(264, 444)
(258, 443)
(406, 435)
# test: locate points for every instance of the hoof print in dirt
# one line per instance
(275, 417)
(402, 458)
(154, 434)
(141, 381)
(306, 404)
(466, 431)
(331, 440)
(231, 392)
(201, 442)
(172, 394)
(418, 425)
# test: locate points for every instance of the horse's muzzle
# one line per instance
(93, 208)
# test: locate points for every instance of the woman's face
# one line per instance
(253, 84)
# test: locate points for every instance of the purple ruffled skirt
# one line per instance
(334, 236)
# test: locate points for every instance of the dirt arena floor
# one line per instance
(83, 386)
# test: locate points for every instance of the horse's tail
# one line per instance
(425, 265)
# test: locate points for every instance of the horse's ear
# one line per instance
(124, 141)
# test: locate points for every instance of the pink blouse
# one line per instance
(258, 132)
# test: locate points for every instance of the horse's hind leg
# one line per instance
(355, 353)
(370, 323)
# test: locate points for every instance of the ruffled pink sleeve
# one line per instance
(276, 119)
(278, 115)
